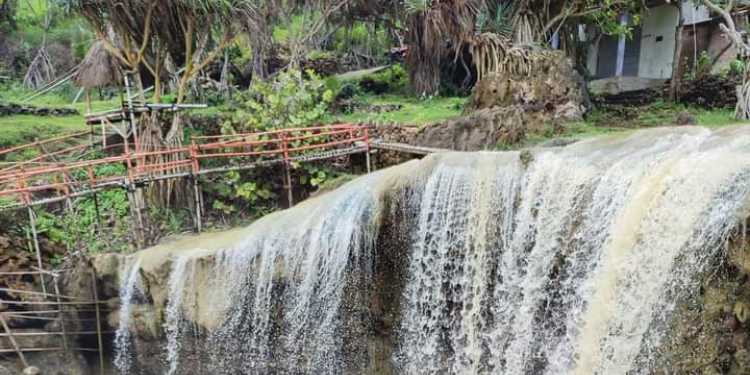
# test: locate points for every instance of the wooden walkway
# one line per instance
(406, 148)
(31, 183)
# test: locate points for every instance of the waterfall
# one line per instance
(297, 265)
(571, 264)
(174, 323)
(123, 345)
(564, 260)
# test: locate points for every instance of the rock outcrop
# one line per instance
(18, 109)
(504, 108)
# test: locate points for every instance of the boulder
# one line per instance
(485, 129)
(551, 86)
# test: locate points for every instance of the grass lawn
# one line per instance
(413, 112)
(602, 121)
(19, 129)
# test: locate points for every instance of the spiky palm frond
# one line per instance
(497, 20)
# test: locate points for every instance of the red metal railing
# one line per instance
(29, 183)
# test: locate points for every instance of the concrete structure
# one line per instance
(650, 51)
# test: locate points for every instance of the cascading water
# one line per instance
(123, 346)
(565, 261)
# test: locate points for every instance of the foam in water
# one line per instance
(569, 263)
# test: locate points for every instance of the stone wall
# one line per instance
(9, 109)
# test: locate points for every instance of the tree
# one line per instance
(441, 29)
(729, 27)
(7, 10)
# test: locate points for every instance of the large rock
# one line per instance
(505, 108)
(485, 129)
(552, 87)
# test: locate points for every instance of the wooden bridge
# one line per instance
(44, 180)
(41, 180)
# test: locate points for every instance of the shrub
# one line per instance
(288, 101)
(393, 79)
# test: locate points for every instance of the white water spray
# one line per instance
(570, 261)
(123, 345)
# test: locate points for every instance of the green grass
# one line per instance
(716, 118)
(414, 111)
(19, 129)
(601, 122)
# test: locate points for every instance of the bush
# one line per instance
(288, 101)
(393, 79)
(291, 100)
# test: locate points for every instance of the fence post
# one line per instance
(35, 236)
(135, 207)
(196, 187)
(97, 308)
(287, 167)
(92, 186)
(13, 341)
(62, 314)
(367, 150)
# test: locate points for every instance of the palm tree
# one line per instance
(436, 29)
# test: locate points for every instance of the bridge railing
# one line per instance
(45, 183)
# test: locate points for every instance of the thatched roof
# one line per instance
(99, 68)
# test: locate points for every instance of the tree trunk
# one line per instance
(423, 63)
(742, 112)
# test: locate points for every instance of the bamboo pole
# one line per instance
(100, 342)
(57, 294)
(32, 221)
(287, 167)
(43, 303)
(367, 151)
(61, 316)
(38, 334)
(13, 341)
(195, 163)
(131, 113)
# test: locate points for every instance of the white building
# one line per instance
(650, 51)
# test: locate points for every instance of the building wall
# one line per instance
(693, 13)
(659, 28)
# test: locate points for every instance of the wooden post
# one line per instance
(97, 308)
(136, 216)
(196, 187)
(32, 222)
(13, 341)
(62, 315)
(287, 171)
(131, 113)
(288, 183)
(198, 208)
(135, 206)
(88, 101)
(92, 183)
(367, 151)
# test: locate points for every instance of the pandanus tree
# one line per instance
(495, 32)
(172, 40)
(166, 37)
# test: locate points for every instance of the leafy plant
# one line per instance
(233, 191)
(290, 100)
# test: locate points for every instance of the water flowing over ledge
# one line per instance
(556, 261)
